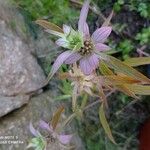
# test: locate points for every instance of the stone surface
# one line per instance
(7, 104)
(16, 124)
(19, 71)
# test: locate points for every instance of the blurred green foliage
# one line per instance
(140, 6)
(118, 5)
(57, 11)
(144, 36)
(143, 10)
(126, 47)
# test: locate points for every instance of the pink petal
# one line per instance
(45, 125)
(33, 130)
(83, 16)
(59, 61)
(73, 58)
(86, 33)
(62, 42)
(66, 29)
(85, 66)
(101, 34)
(65, 139)
(94, 61)
(101, 47)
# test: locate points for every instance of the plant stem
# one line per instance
(98, 101)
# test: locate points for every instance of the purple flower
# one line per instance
(34, 132)
(38, 142)
(62, 138)
(87, 53)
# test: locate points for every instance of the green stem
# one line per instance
(84, 101)
(67, 121)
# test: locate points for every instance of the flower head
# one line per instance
(38, 142)
(83, 48)
(62, 138)
(71, 39)
(87, 56)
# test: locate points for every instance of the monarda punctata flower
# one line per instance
(86, 54)
(38, 142)
(62, 138)
(83, 48)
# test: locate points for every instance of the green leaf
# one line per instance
(74, 98)
(38, 143)
(125, 89)
(137, 61)
(105, 123)
(121, 67)
(104, 69)
(63, 97)
(107, 21)
(49, 25)
(120, 80)
(140, 89)
(115, 82)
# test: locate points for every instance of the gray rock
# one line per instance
(7, 104)
(19, 71)
(17, 123)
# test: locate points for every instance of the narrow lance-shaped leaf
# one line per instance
(126, 90)
(140, 89)
(84, 101)
(102, 95)
(121, 67)
(74, 97)
(105, 123)
(138, 61)
(63, 97)
(118, 79)
(49, 25)
(50, 28)
(104, 69)
(108, 19)
(119, 85)
(115, 83)
(56, 117)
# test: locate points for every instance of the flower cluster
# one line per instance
(41, 142)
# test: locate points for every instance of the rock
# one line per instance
(19, 71)
(7, 104)
(17, 123)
